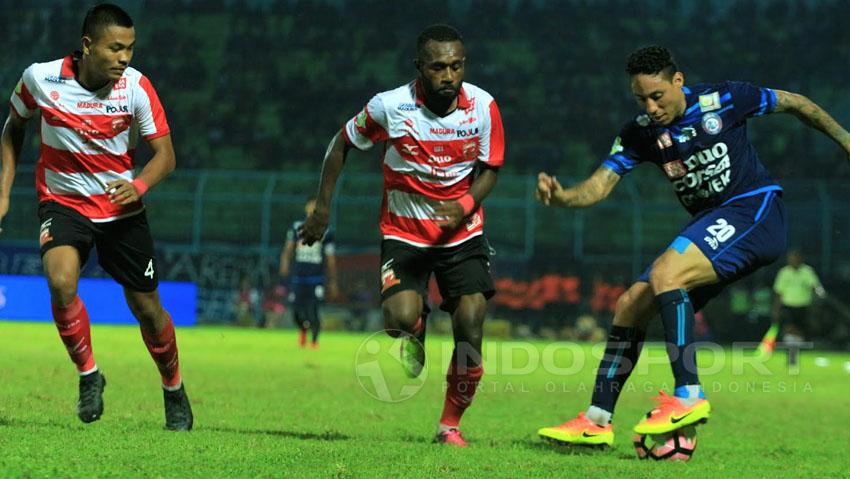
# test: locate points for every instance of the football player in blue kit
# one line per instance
(697, 136)
(306, 267)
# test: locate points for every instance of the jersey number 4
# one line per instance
(149, 270)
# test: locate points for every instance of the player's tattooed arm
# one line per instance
(587, 193)
(812, 115)
(315, 225)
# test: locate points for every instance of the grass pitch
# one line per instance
(265, 408)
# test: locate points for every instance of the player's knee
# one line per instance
(666, 277)
(624, 310)
(63, 287)
(400, 318)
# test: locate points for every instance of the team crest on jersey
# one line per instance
(54, 95)
(709, 102)
(712, 123)
(44, 236)
(119, 124)
(474, 222)
(664, 141)
(388, 277)
(470, 150)
(675, 169)
(643, 120)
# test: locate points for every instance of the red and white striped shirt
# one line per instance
(428, 158)
(88, 138)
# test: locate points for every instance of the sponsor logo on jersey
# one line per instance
(442, 131)
(675, 169)
(688, 133)
(411, 150)
(120, 84)
(117, 109)
(467, 133)
(468, 121)
(54, 79)
(440, 159)
(89, 105)
(708, 173)
(709, 102)
(712, 123)
(407, 106)
(664, 141)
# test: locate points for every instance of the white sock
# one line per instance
(441, 428)
(598, 415)
(173, 388)
(90, 371)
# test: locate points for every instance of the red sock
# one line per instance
(461, 389)
(72, 321)
(163, 349)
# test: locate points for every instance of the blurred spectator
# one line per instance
(247, 303)
(274, 306)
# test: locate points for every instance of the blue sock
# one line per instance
(621, 355)
(677, 314)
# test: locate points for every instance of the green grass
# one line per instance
(264, 408)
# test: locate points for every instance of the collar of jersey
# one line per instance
(462, 100)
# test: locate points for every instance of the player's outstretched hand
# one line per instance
(547, 188)
(314, 227)
(449, 214)
(122, 192)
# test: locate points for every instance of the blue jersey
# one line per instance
(308, 265)
(706, 154)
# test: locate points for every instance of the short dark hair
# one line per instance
(102, 16)
(439, 33)
(651, 60)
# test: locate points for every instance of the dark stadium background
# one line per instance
(255, 89)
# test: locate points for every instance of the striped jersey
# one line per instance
(88, 138)
(706, 154)
(428, 158)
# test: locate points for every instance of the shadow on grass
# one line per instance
(569, 450)
(305, 436)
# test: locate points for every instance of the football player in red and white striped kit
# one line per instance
(444, 144)
(93, 107)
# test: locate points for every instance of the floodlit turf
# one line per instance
(264, 408)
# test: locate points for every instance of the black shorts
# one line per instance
(125, 247)
(459, 270)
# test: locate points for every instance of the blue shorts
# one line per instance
(738, 238)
